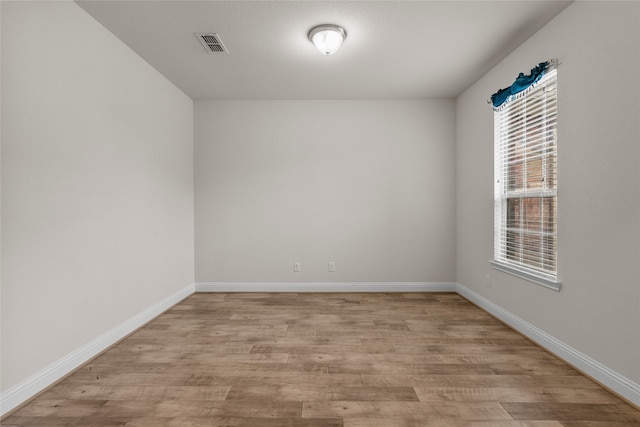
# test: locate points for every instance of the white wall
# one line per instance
(97, 185)
(598, 309)
(367, 184)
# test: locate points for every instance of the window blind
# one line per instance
(525, 191)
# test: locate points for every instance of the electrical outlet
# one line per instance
(296, 267)
(332, 266)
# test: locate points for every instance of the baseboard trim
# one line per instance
(25, 390)
(614, 381)
(325, 287)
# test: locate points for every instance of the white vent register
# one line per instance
(211, 42)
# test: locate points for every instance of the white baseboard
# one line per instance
(614, 381)
(23, 391)
(325, 287)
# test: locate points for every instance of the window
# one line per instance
(525, 186)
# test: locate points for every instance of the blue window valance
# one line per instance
(521, 84)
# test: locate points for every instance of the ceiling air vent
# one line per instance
(211, 42)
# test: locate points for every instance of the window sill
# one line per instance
(547, 283)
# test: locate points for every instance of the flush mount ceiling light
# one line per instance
(327, 38)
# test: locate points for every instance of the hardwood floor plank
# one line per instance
(364, 357)
(525, 367)
(115, 378)
(325, 348)
(402, 422)
(489, 381)
(42, 407)
(248, 369)
(406, 410)
(399, 368)
(86, 421)
(515, 394)
(128, 408)
(277, 378)
(137, 392)
(315, 393)
(325, 360)
(572, 411)
(232, 422)
(528, 355)
(133, 347)
(418, 346)
(238, 358)
(230, 408)
(598, 424)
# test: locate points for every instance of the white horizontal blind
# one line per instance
(525, 190)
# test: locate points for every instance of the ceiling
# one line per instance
(393, 49)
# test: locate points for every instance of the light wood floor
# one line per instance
(326, 360)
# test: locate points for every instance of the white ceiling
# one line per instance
(394, 49)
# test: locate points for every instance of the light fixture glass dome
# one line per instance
(327, 38)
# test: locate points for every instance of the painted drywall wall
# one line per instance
(366, 184)
(598, 309)
(97, 185)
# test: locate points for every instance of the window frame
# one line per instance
(512, 115)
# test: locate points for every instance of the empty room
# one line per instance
(320, 213)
